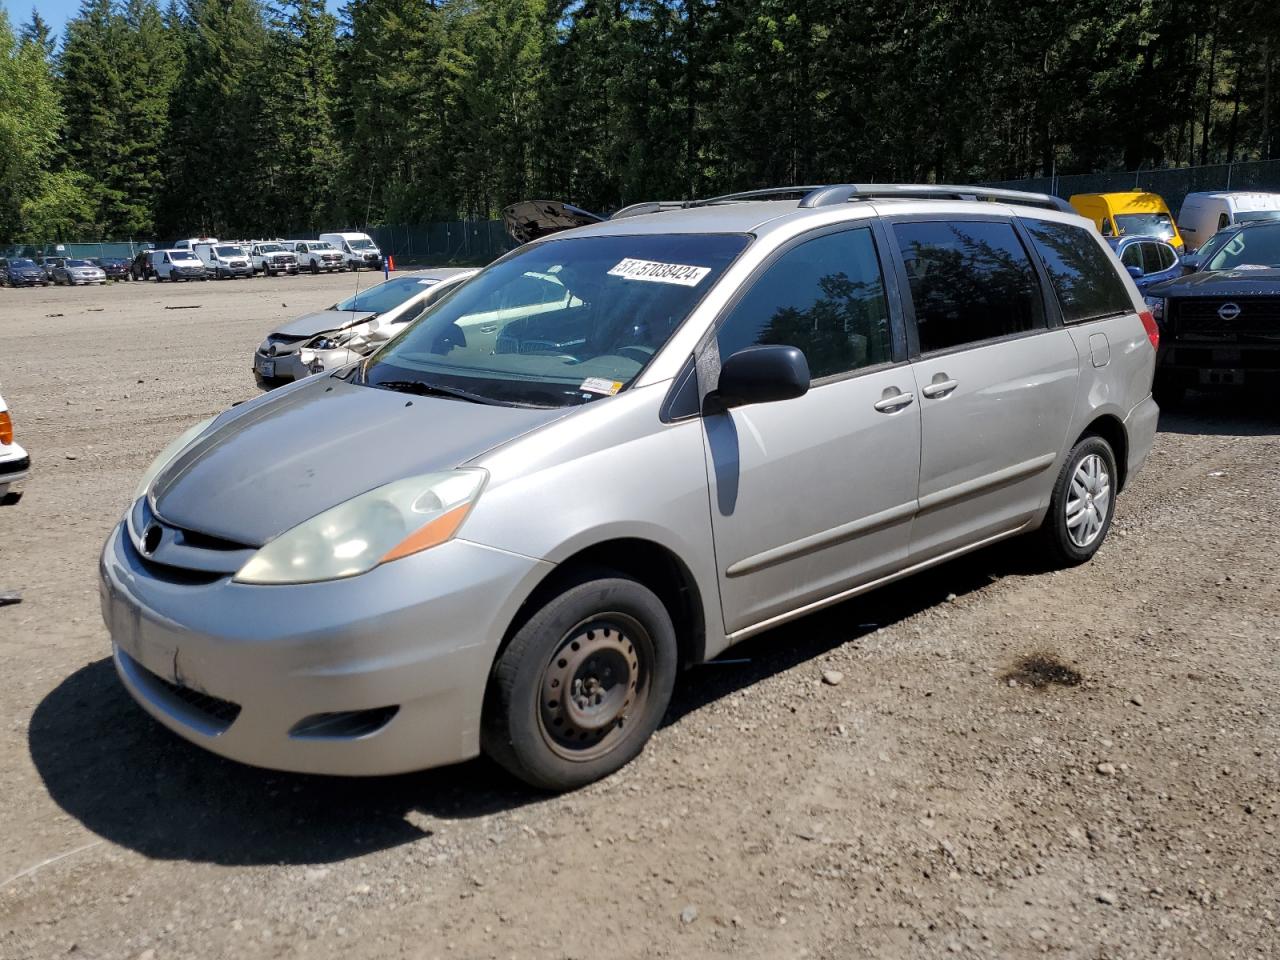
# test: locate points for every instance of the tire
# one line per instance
(600, 625)
(1088, 474)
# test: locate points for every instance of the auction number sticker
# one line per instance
(601, 385)
(654, 272)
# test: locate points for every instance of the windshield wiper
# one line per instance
(424, 389)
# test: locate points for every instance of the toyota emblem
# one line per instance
(151, 539)
(1229, 311)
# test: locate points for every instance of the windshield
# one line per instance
(1254, 249)
(559, 323)
(179, 256)
(24, 264)
(321, 245)
(362, 244)
(385, 296)
(1145, 224)
(228, 251)
(79, 263)
(1247, 216)
(270, 248)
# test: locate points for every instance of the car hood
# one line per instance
(291, 454)
(313, 323)
(530, 219)
(1221, 283)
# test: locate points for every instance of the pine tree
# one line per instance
(37, 31)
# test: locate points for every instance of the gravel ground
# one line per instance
(1009, 762)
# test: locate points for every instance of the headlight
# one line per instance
(166, 457)
(324, 343)
(1155, 305)
(393, 521)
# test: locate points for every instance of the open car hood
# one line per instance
(531, 219)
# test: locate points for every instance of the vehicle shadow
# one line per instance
(1227, 414)
(131, 781)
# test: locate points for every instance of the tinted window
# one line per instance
(970, 281)
(1151, 258)
(1083, 276)
(1168, 256)
(825, 296)
(1131, 256)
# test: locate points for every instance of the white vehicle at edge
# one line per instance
(1204, 214)
(14, 462)
(224, 261)
(190, 243)
(357, 249)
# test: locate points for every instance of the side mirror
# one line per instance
(1135, 272)
(1190, 262)
(762, 374)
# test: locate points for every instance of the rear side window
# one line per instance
(971, 280)
(1132, 256)
(1083, 276)
(825, 296)
(1168, 257)
(1151, 258)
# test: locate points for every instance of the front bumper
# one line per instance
(1206, 365)
(15, 465)
(300, 363)
(26, 281)
(419, 634)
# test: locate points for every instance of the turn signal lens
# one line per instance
(6, 428)
(1152, 328)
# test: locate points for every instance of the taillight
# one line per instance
(6, 428)
(1152, 328)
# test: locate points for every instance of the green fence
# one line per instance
(1173, 184)
(107, 248)
(453, 241)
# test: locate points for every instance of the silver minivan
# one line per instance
(615, 452)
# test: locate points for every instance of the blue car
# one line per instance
(1147, 259)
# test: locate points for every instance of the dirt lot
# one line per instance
(929, 804)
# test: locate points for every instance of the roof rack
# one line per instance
(648, 206)
(768, 193)
(844, 192)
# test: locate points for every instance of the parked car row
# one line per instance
(72, 271)
(1143, 214)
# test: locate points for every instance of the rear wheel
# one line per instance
(1083, 503)
(583, 684)
(315, 267)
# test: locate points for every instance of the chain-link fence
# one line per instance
(437, 244)
(1173, 184)
(453, 241)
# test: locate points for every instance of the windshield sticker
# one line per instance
(653, 272)
(426, 283)
(601, 385)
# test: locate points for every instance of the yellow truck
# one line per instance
(1134, 213)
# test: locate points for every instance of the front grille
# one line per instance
(1196, 318)
(281, 339)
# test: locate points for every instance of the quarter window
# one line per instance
(825, 296)
(1151, 258)
(970, 281)
(1132, 255)
(1085, 279)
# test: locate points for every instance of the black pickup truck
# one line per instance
(1220, 324)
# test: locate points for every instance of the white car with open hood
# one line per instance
(351, 328)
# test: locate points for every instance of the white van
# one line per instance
(223, 260)
(1204, 214)
(358, 249)
(174, 265)
(190, 243)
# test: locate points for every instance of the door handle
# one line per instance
(893, 403)
(940, 388)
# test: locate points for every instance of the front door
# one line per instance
(813, 495)
(997, 381)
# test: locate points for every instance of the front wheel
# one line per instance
(582, 685)
(1083, 503)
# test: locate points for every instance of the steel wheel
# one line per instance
(1088, 500)
(597, 678)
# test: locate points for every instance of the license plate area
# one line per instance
(266, 368)
(1222, 377)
